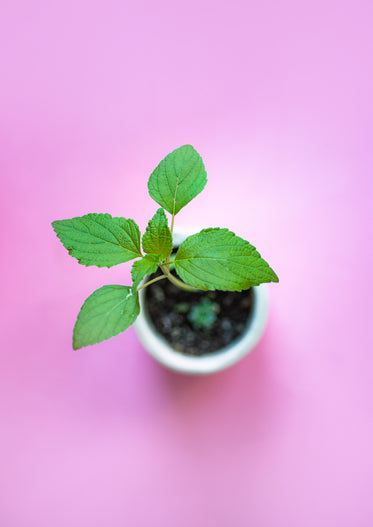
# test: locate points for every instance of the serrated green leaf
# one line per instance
(99, 239)
(147, 265)
(179, 178)
(107, 312)
(218, 259)
(157, 238)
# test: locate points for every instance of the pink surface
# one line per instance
(277, 97)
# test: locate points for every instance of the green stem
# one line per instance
(172, 223)
(152, 281)
(171, 229)
(177, 282)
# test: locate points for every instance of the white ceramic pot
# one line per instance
(161, 350)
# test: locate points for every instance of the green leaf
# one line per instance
(157, 238)
(99, 239)
(218, 259)
(106, 313)
(147, 265)
(179, 178)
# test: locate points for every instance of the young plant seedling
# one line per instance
(212, 259)
(203, 314)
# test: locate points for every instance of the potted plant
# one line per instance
(199, 278)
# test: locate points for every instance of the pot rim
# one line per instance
(219, 360)
(209, 363)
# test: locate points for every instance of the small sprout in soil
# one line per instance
(203, 314)
(213, 259)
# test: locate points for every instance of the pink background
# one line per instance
(277, 98)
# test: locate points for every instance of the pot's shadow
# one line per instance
(246, 402)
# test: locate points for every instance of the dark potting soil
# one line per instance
(232, 309)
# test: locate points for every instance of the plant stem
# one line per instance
(152, 281)
(172, 223)
(171, 229)
(177, 282)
